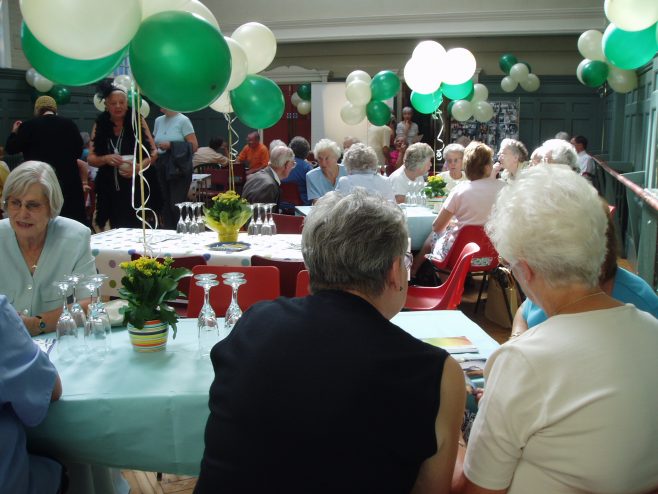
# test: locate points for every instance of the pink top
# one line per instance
(471, 202)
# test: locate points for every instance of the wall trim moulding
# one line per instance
(293, 74)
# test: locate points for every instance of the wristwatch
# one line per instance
(42, 324)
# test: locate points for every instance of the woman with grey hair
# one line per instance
(39, 246)
(417, 162)
(559, 152)
(362, 171)
(454, 162)
(569, 384)
(298, 382)
(323, 179)
(513, 157)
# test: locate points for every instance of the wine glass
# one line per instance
(254, 227)
(200, 222)
(180, 226)
(68, 341)
(99, 306)
(266, 228)
(96, 336)
(188, 217)
(233, 313)
(207, 320)
(77, 312)
(270, 220)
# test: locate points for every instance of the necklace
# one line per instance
(559, 310)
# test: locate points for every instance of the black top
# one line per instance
(320, 394)
(54, 140)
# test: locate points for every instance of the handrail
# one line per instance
(643, 194)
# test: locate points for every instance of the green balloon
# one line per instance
(258, 102)
(457, 91)
(304, 91)
(450, 105)
(180, 61)
(65, 70)
(378, 112)
(629, 50)
(138, 99)
(594, 73)
(506, 61)
(426, 103)
(384, 85)
(60, 94)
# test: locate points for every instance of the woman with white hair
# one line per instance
(323, 179)
(323, 393)
(513, 157)
(568, 407)
(559, 152)
(38, 246)
(362, 171)
(454, 162)
(417, 162)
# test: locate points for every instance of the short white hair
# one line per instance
(559, 152)
(453, 148)
(553, 220)
(417, 155)
(280, 155)
(276, 143)
(327, 145)
(35, 172)
(360, 158)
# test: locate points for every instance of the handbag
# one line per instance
(502, 297)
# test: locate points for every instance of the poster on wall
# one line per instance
(504, 124)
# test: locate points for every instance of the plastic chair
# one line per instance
(288, 271)
(448, 295)
(303, 280)
(262, 284)
(286, 223)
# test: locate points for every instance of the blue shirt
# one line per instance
(628, 288)
(298, 176)
(317, 184)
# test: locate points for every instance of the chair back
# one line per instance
(239, 175)
(288, 271)
(286, 223)
(290, 194)
(262, 284)
(485, 261)
(303, 281)
(219, 178)
(180, 262)
(204, 167)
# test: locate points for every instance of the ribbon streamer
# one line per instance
(232, 151)
(437, 115)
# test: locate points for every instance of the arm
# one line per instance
(519, 325)
(191, 138)
(57, 389)
(105, 160)
(50, 318)
(442, 220)
(83, 170)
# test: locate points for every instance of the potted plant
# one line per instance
(148, 285)
(227, 215)
(435, 191)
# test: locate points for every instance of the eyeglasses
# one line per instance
(16, 205)
(408, 260)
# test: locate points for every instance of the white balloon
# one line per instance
(631, 15)
(42, 84)
(422, 77)
(519, 72)
(239, 64)
(223, 103)
(99, 103)
(30, 74)
(200, 9)
(590, 45)
(304, 107)
(259, 45)
(294, 98)
(145, 109)
(482, 111)
(459, 66)
(152, 7)
(579, 69)
(429, 52)
(462, 110)
(83, 29)
(508, 84)
(351, 114)
(123, 80)
(531, 84)
(622, 81)
(480, 93)
(358, 93)
(358, 75)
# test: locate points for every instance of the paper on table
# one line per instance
(453, 344)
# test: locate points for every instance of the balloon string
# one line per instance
(437, 115)
(232, 151)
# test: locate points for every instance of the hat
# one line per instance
(44, 103)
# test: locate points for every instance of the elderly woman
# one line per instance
(111, 151)
(323, 400)
(363, 171)
(513, 157)
(264, 186)
(454, 162)
(406, 128)
(38, 246)
(563, 411)
(559, 152)
(417, 162)
(323, 179)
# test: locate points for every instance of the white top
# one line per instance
(379, 136)
(400, 182)
(570, 406)
(451, 183)
(174, 128)
(373, 183)
(586, 163)
(471, 202)
(411, 135)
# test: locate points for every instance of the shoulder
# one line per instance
(66, 228)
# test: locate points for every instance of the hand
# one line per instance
(17, 124)
(86, 188)
(164, 145)
(113, 160)
(126, 172)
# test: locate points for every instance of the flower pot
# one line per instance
(228, 234)
(151, 338)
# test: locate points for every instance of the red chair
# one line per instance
(448, 295)
(286, 223)
(239, 175)
(288, 271)
(303, 281)
(290, 194)
(262, 284)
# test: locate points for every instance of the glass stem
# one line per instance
(206, 296)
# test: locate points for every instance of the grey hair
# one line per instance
(557, 151)
(280, 155)
(537, 155)
(453, 148)
(563, 135)
(517, 147)
(30, 173)
(407, 108)
(553, 220)
(300, 147)
(350, 141)
(327, 145)
(417, 155)
(360, 158)
(328, 242)
(276, 143)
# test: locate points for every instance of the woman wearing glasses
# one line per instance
(38, 246)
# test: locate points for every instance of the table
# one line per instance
(113, 247)
(149, 411)
(419, 222)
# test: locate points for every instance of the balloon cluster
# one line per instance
(366, 97)
(302, 99)
(630, 41)
(518, 73)
(45, 86)
(473, 104)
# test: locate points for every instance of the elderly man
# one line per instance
(559, 152)
(586, 163)
(254, 156)
(265, 186)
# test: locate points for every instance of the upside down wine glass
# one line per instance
(99, 306)
(68, 339)
(77, 312)
(96, 333)
(208, 328)
(233, 313)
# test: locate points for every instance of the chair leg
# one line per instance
(158, 476)
(485, 280)
(507, 306)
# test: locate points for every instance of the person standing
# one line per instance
(54, 140)
(254, 156)
(176, 142)
(379, 138)
(585, 161)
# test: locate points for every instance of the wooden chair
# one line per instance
(204, 167)
(218, 183)
(288, 271)
(286, 223)
(262, 284)
(448, 295)
(303, 281)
